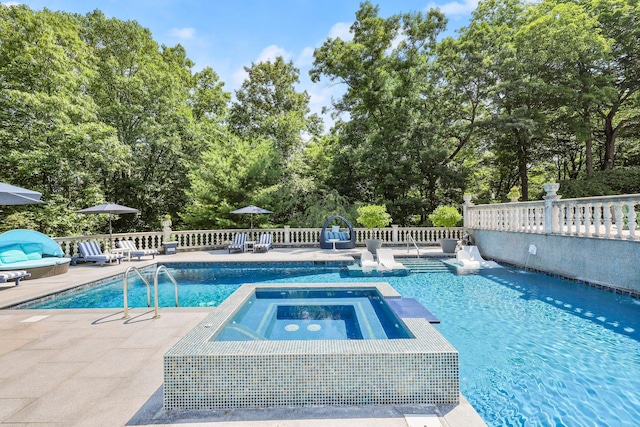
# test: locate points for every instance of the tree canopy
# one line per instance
(93, 110)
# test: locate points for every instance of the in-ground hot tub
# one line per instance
(314, 314)
(277, 357)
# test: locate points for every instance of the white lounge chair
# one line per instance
(367, 262)
(130, 246)
(386, 261)
(469, 256)
(464, 258)
(91, 252)
(5, 276)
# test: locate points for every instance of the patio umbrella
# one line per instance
(12, 195)
(110, 209)
(252, 210)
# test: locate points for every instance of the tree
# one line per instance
(50, 136)
(235, 172)
(391, 149)
(618, 22)
(268, 106)
(147, 94)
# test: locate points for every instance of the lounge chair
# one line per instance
(91, 252)
(386, 261)
(130, 246)
(239, 243)
(367, 263)
(469, 256)
(5, 276)
(264, 243)
(464, 258)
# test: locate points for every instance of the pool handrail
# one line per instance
(155, 287)
(126, 292)
(410, 239)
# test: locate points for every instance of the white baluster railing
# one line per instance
(283, 237)
(610, 217)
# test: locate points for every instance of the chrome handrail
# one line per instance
(126, 291)
(155, 287)
(412, 240)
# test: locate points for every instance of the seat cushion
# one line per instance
(32, 250)
(11, 254)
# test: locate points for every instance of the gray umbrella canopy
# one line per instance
(12, 195)
(253, 210)
(110, 209)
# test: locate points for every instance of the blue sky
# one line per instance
(228, 35)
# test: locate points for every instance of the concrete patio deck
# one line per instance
(90, 367)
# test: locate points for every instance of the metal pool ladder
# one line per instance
(410, 239)
(146, 282)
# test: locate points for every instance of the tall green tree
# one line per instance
(233, 173)
(391, 149)
(268, 106)
(50, 136)
(618, 22)
(144, 92)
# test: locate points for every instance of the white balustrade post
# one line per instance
(631, 220)
(287, 234)
(395, 238)
(607, 220)
(587, 220)
(550, 225)
(575, 219)
(562, 218)
(465, 215)
(597, 219)
(619, 219)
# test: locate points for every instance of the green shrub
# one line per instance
(445, 216)
(603, 183)
(374, 216)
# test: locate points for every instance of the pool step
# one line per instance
(424, 265)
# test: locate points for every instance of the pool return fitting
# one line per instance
(146, 282)
(532, 251)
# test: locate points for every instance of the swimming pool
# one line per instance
(534, 350)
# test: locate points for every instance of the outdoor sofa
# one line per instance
(34, 252)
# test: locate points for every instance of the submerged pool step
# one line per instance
(425, 265)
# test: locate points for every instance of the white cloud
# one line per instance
(341, 29)
(182, 33)
(270, 53)
(462, 7)
(238, 77)
(10, 3)
(305, 58)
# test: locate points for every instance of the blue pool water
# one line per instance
(534, 350)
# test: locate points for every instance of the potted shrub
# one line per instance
(446, 216)
(373, 217)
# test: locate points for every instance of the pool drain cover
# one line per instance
(291, 328)
(314, 327)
